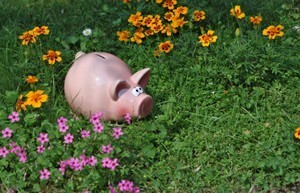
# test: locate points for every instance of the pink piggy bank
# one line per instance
(101, 82)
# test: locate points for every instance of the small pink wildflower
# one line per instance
(68, 138)
(106, 163)
(14, 117)
(63, 128)
(127, 118)
(41, 149)
(86, 191)
(98, 128)
(106, 148)
(111, 189)
(113, 164)
(125, 185)
(3, 152)
(92, 161)
(117, 132)
(44, 174)
(96, 117)
(85, 133)
(62, 120)
(7, 133)
(43, 138)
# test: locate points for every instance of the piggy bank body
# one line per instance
(101, 82)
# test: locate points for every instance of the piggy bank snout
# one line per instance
(145, 106)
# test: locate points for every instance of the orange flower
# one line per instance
(135, 19)
(21, 105)
(169, 30)
(176, 22)
(159, 1)
(35, 99)
(138, 36)
(180, 10)
(52, 57)
(123, 35)
(207, 38)
(297, 133)
(149, 32)
(237, 12)
(169, 16)
(126, 1)
(147, 21)
(165, 47)
(28, 36)
(273, 31)
(199, 15)
(32, 79)
(156, 27)
(41, 30)
(255, 20)
(170, 4)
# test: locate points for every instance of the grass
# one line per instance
(224, 116)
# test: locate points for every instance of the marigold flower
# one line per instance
(166, 47)
(138, 36)
(207, 38)
(32, 79)
(149, 32)
(169, 16)
(123, 35)
(159, 1)
(169, 30)
(52, 57)
(181, 10)
(199, 15)
(170, 4)
(156, 27)
(255, 20)
(36, 99)
(41, 30)
(135, 19)
(237, 12)
(21, 105)
(28, 36)
(297, 133)
(147, 21)
(126, 1)
(273, 31)
(157, 20)
(178, 22)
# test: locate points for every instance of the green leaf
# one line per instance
(36, 188)
(30, 119)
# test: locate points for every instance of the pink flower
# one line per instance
(43, 138)
(127, 118)
(107, 148)
(92, 161)
(106, 163)
(14, 117)
(113, 164)
(96, 117)
(23, 159)
(68, 138)
(125, 185)
(85, 133)
(86, 191)
(62, 121)
(63, 128)
(3, 152)
(7, 133)
(41, 149)
(111, 189)
(98, 128)
(117, 132)
(44, 174)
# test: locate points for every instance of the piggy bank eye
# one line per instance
(137, 91)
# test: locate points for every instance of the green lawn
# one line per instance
(224, 116)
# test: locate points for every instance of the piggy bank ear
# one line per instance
(118, 88)
(141, 77)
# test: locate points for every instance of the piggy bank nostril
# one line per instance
(146, 106)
